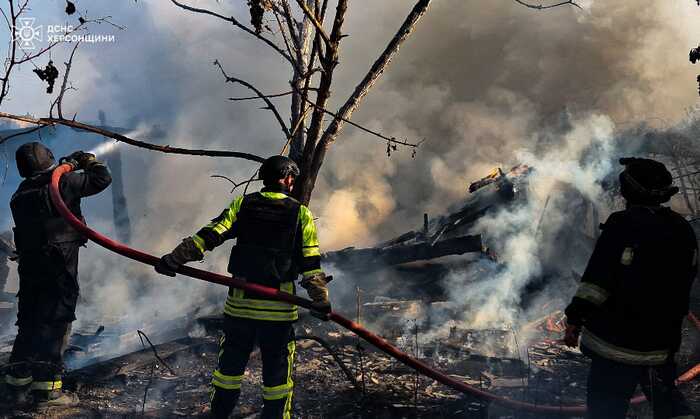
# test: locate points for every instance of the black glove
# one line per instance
(185, 252)
(79, 160)
(167, 266)
(321, 311)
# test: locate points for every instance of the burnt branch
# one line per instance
(240, 99)
(235, 184)
(338, 360)
(270, 106)
(58, 103)
(48, 122)
(547, 6)
(237, 24)
(391, 140)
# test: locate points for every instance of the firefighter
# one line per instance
(629, 308)
(275, 242)
(48, 271)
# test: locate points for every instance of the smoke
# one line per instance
(580, 162)
(486, 83)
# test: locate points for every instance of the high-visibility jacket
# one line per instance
(635, 290)
(272, 249)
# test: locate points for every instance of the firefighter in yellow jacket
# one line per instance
(275, 242)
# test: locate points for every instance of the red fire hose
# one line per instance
(274, 294)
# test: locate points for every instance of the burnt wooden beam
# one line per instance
(370, 259)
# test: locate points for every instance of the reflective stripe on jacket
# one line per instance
(238, 304)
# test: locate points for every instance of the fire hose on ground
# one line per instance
(274, 294)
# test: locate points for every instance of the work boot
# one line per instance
(55, 398)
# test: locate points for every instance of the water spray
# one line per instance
(104, 149)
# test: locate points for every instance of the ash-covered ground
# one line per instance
(140, 385)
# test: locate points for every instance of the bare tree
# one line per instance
(307, 36)
(308, 39)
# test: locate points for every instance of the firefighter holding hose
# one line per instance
(633, 296)
(48, 271)
(275, 242)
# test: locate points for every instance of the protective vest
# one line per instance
(635, 291)
(37, 223)
(266, 250)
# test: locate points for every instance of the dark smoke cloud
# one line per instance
(482, 81)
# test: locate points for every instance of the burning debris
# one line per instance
(530, 363)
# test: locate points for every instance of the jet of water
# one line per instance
(104, 148)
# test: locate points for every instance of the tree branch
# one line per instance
(12, 61)
(270, 106)
(391, 140)
(124, 139)
(550, 6)
(238, 99)
(319, 27)
(58, 103)
(17, 134)
(329, 61)
(238, 24)
(284, 36)
(359, 93)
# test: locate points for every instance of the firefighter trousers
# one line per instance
(611, 385)
(47, 298)
(277, 348)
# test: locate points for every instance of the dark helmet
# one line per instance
(34, 158)
(276, 168)
(646, 181)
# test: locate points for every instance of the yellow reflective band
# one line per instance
(311, 272)
(622, 355)
(226, 382)
(593, 293)
(310, 251)
(284, 390)
(259, 304)
(47, 385)
(277, 393)
(308, 228)
(199, 242)
(225, 224)
(262, 315)
(17, 381)
(287, 287)
(221, 347)
(239, 305)
(274, 195)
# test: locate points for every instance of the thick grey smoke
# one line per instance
(486, 83)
